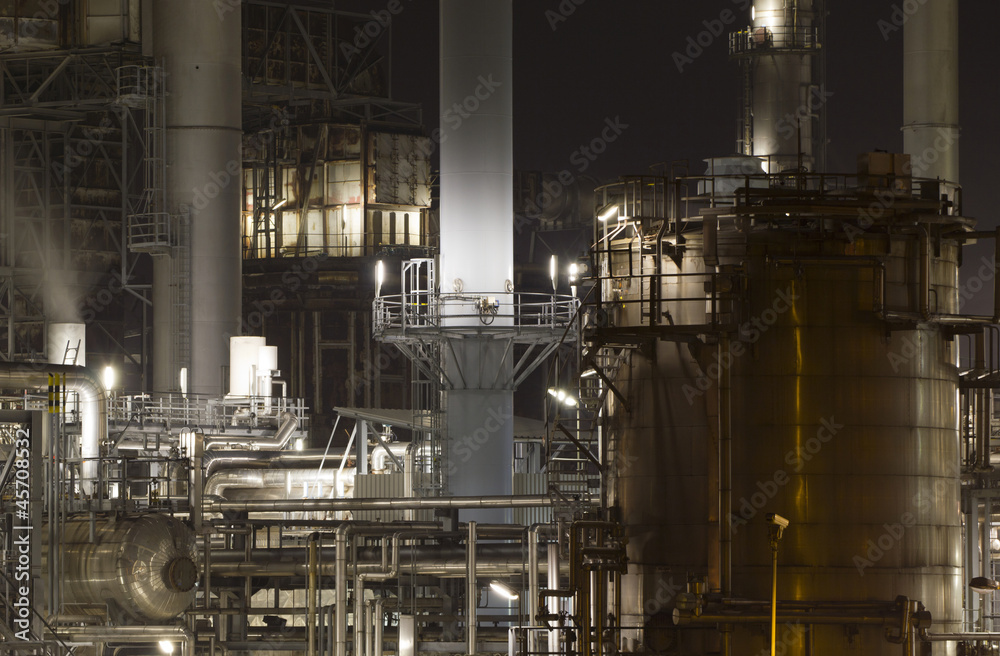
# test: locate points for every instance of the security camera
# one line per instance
(777, 520)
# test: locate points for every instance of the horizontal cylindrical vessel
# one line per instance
(143, 566)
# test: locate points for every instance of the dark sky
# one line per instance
(613, 58)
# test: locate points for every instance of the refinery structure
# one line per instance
(259, 373)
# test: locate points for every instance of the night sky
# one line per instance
(615, 59)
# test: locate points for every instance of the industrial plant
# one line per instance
(272, 353)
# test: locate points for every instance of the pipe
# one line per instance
(311, 649)
(388, 570)
(340, 580)
(471, 592)
(379, 619)
(925, 274)
(984, 409)
(333, 505)
(959, 637)
(683, 619)
(553, 584)
(262, 479)
(288, 422)
(93, 404)
(231, 459)
(533, 574)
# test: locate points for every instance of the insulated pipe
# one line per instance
(231, 459)
(379, 626)
(491, 560)
(200, 53)
(263, 479)
(313, 592)
(533, 573)
(93, 404)
(471, 591)
(288, 423)
(930, 90)
(553, 583)
(984, 409)
(340, 581)
(334, 505)
(389, 570)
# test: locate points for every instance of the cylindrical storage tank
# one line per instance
(144, 565)
(842, 423)
(244, 358)
(66, 341)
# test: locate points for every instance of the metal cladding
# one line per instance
(477, 160)
(477, 237)
(930, 90)
(849, 433)
(783, 81)
(200, 54)
(145, 566)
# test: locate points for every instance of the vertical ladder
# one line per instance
(181, 266)
(71, 353)
(745, 137)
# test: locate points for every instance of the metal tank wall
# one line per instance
(846, 429)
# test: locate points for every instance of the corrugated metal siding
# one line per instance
(531, 484)
(385, 486)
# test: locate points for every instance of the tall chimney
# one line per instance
(930, 90)
(477, 240)
(199, 49)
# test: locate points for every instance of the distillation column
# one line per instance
(477, 243)
(200, 54)
(783, 50)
